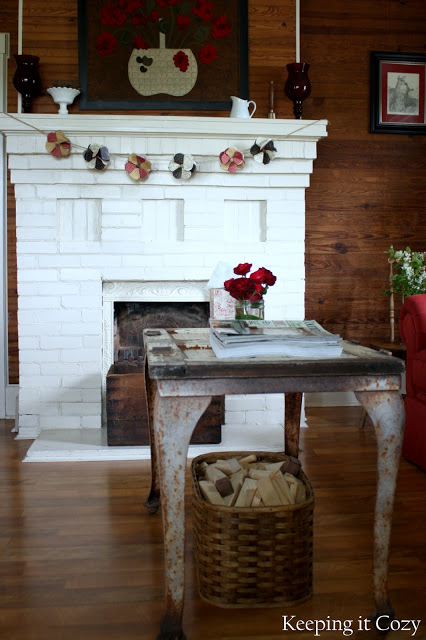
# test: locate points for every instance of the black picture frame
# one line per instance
(86, 102)
(397, 92)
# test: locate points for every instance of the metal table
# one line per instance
(182, 374)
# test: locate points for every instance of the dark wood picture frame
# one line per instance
(397, 92)
(88, 73)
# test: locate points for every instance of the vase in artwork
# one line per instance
(161, 70)
(249, 310)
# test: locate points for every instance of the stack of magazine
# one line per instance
(293, 338)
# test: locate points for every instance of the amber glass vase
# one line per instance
(297, 86)
(26, 79)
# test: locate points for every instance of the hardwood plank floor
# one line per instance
(80, 558)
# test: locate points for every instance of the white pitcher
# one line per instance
(240, 108)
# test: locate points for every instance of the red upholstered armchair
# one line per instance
(412, 326)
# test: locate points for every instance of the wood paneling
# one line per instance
(81, 559)
(367, 190)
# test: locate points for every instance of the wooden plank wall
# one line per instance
(367, 190)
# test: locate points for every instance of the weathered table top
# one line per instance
(186, 353)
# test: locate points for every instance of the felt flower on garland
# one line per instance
(138, 167)
(263, 151)
(58, 144)
(231, 160)
(96, 156)
(182, 166)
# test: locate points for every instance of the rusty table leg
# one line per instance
(174, 422)
(152, 502)
(293, 407)
(386, 410)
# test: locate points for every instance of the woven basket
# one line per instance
(252, 556)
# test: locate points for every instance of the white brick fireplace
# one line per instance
(84, 235)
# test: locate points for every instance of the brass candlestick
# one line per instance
(271, 113)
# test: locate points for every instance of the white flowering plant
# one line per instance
(409, 272)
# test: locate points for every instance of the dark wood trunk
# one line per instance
(127, 411)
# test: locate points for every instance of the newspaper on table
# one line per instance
(294, 338)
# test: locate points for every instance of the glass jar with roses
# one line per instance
(248, 291)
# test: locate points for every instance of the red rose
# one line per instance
(241, 289)
(243, 269)
(263, 276)
(221, 27)
(139, 43)
(106, 43)
(203, 10)
(139, 19)
(153, 16)
(208, 54)
(181, 61)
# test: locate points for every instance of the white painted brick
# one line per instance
(92, 342)
(74, 329)
(245, 402)
(266, 417)
(92, 315)
(81, 355)
(232, 417)
(91, 422)
(80, 302)
(101, 191)
(141, 261)
(90, 382)
(30, 382)
(57, 260)
(38, 355)
(30, 369)
(62, 191)
(121, 235)
(29, 420)
(122, 206)
(28, 262)
(199, 234)
(59, 288)
(81, 408)
(37, 247)
(35, 221)
(42, 317)
(30, 329)
(39, 302)
(79, 247)
(61, 342)
(63, 395)
(61, 369)
(91, 395)
(30, 342)
(122, 220)
(91, 288)
(48, 409)
(61, 422)
(25, 191)
(79, 274)
(275, 401)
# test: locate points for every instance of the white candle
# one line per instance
(297, 30)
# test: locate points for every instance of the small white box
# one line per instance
(222, 305)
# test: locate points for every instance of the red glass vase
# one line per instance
(26, 79)
(298, 85)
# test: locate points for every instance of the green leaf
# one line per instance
(164, 25)
(201, 33)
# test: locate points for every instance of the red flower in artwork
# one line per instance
(130, 5)
(242, 269)
(139, 43)
(183, 22)
(139, 19)
(181, 61)
(112, 15)
(106, 43)
(153, 16)
(221, 27)
(252, 288)
(162, 3)
(208, 54)
(203, 10)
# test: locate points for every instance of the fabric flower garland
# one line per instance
(263, 151)
(231, 160)
(58, 144)
(138, 167)
(96, 157)
(182, 166)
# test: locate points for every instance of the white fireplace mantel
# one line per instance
(164, 126)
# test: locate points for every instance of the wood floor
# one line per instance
(80, 559)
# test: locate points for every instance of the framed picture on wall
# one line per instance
(397, 92)
(162, 54)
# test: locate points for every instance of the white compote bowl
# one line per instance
(63, 96)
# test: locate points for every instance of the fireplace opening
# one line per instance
(126, 407)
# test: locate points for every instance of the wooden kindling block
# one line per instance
(220, 479)
(210, 492)
(229, 466)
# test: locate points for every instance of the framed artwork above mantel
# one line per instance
(397, 92)
(162, 54)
